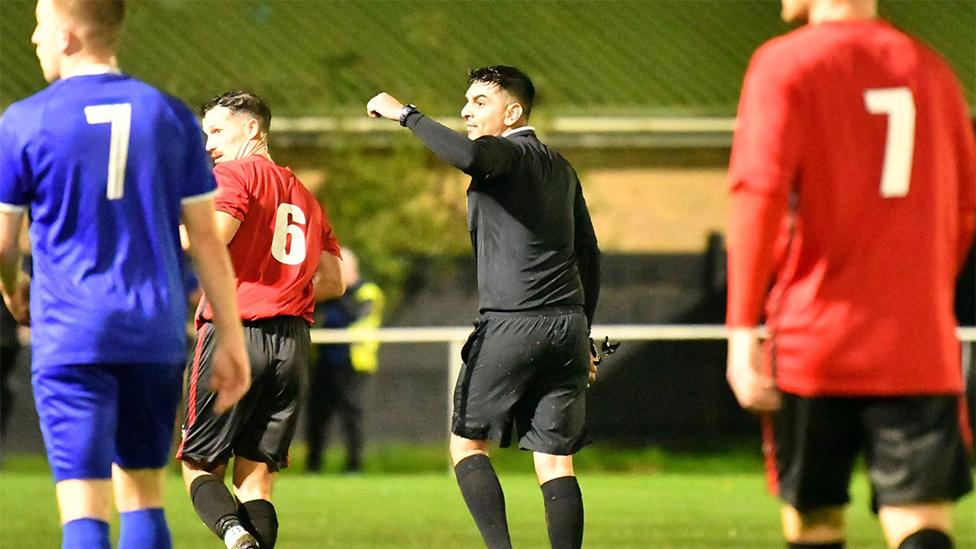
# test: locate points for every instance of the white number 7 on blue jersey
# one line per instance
(120, 117)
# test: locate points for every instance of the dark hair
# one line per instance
(509, 79)
(242, 101)
(103, 17)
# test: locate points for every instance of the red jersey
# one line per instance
(853, 178)
(277, 247)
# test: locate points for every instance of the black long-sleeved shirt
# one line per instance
(533, 239)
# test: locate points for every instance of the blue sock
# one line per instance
(85, 533)
(144, 529)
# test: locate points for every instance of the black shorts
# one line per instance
(916, 448)
(261, 426)
(525, 370)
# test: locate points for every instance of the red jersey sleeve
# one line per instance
(765, 155)
(233, 197)
(767, 141)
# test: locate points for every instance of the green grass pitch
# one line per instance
(634, 499)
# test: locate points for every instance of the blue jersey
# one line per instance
(102, 164)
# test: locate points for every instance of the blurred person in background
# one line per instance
(527, 364)
(285, 257)
(106, 166)
(853, 180)
(341, 369)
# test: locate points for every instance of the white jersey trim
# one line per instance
(12, 208)
(198, 197)
(92, 70)
(511, 131)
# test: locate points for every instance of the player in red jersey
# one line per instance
(285, 258)
(853, 179)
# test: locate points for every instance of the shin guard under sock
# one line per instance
(214, 504)
(564, 512)
(485, 500)
(144, 529)
(85, 533)
(260, 519)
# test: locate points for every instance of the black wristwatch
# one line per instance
(405, 112)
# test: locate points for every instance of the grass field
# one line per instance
(634, 499)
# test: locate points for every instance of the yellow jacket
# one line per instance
(363, 355)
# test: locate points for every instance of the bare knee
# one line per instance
(900, 522)
(137, 489)
(84, 498)
(824, 525)
(253, 480)
(549, 466)
(192, 471)
(461, 448)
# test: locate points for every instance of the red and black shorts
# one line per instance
(261, 426)
(917, 449)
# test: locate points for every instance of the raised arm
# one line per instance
(483, 158)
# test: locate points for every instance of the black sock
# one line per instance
(214, 504)
(483, 494)
(564, 512)
(260, 519)
(928, 538)
(824, 545)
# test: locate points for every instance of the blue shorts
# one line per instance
(94, 415)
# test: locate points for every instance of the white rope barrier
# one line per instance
(619, 332)
(455, 337)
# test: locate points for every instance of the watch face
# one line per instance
(405, 112)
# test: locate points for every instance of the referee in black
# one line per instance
(527, 363)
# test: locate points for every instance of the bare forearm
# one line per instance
(9, 269)
(327, 289)
(10, 254)
(216, 276)
(213, 265)
(328, 282)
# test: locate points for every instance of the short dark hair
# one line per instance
(242, 101)
(104, 18)
(509, 79)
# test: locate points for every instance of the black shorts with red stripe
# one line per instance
(261, 426)
(917, 449)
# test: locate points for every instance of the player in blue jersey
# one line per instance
(106, 166)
